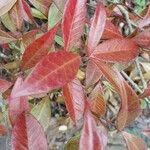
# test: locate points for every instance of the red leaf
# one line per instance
(20, 12)
(130, 104)
(143, 38)
(29, 37)
(146, 20)
(53, 71)
(4, 85)
(92, 74)
(133, 142)
(38, 49)
(116, 50)
(28, 134)
(74, 99)
(3, 130)
(110, 31)
(97, 27)
(146, 92)
(73, 22)
(91, 137)
(17, 105)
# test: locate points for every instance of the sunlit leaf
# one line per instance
(74, 99)
(73, 22)
(42, 112)
(133, 142)
(37, 49)
(6, 5)
(97, 28)
(28, 134)
(51, 73)
(4, 85)
(16, 105)
(116, 50)
(37, 14)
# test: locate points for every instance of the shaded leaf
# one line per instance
(74, 99)
(4, 85)
(51, 73)
(73, 22)
(146, 92)
(6, 5)
(5, 38)
(3, 130)
(17, 105)
(92, 74)
(97, 28)
(110, 31)
(42, 112)
(133, 142)
(98, 104)
(146, 20)
(116, 50)
(38, 49)
(91, 137)
(130, 104)
(55, 13)
(41, 5)
(27, 134)
(143, 38)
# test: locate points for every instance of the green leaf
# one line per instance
(59, 40)
(37, 14)
(73, 143)
(42, 112)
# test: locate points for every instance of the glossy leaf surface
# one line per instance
(73, 22)
(97, 27)
(74, 99)
(116, 50)
(38, 49)
(51, 73)
(27, 134)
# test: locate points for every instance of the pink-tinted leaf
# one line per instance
(73, 22)
(5, 37)
(146, 132)
(38, 49)
(41, 5)
(4, 85)
(130, 104)
(6, 5)
(28, 134)
(17, 105)
(133, 142)
(98, 104)
(53, 71)
(92, 74)
(74, 99)
(143, 38)
(146, 92)
(146, 20)
(19, 13)
(116, 50)
(110, 31)
(91, 137)
(3, 130)
(29, 37)
(97, 28)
